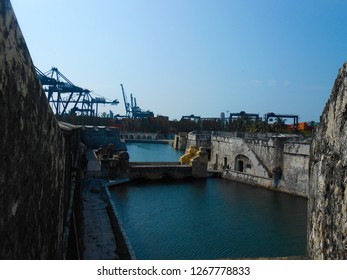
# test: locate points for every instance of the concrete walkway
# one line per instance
(99, 241)
(94, 167)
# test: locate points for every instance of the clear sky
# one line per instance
(202, 57)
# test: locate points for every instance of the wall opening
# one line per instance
(176, 142)
(225, 162)
(240, 165)
(209, 154)
(216, 163)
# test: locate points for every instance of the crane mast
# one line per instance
(132, 110)
(126, 104)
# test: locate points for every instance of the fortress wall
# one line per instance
(261, 155)
(37, 159)
(295, 168)
(327, 213)
(269, 151)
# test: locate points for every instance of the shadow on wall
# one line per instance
(39, 174)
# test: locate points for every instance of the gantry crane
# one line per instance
(295, 118)
(62, 94)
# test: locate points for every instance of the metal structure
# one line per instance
(193, 118)
(270, 116)
(63, 95)
(243, 114)
(132, 110)
(126, 103)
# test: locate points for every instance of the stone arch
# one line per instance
(138, 137)
(144, 137)
(131, 136)
(149, 137)
(242, 163)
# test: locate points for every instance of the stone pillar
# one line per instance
(180, 141)
(327, 213)
(199, 164)
(119, 166)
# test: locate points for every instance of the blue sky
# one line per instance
(194, 57)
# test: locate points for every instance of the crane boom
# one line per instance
(126, 104)
(132, 110)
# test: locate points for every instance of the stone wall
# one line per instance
(96, 136)
(198, 139)
(138, 135)
(37, 157)
(159, 170)
(180, 141)
(294, 181)
(225, 151)
(280, 160)
(295, 167)
(269, 151)
(248, 179)
(327, 215)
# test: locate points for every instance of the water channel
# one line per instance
(209, 218)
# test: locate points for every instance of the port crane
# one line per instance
(132, 110)
(62, 94)
(126, 103)
(270, 116)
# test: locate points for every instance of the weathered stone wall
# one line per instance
(295, 167)
(248, 179)
(224, 151)
(260, 158)
(198, 139)
(180, 141)
(269, 151)
(96, 136)
(33, 172)
(159, 171)
(327, 215)
(138, 135)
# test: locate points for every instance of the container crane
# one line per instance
(270, 116)
(132, 110)
(63, 94)
(126, 103)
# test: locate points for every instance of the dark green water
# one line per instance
(210, 219)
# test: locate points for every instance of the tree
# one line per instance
(103, 115)
(279, 125)
(259, 127)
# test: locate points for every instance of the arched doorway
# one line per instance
(242, 164)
